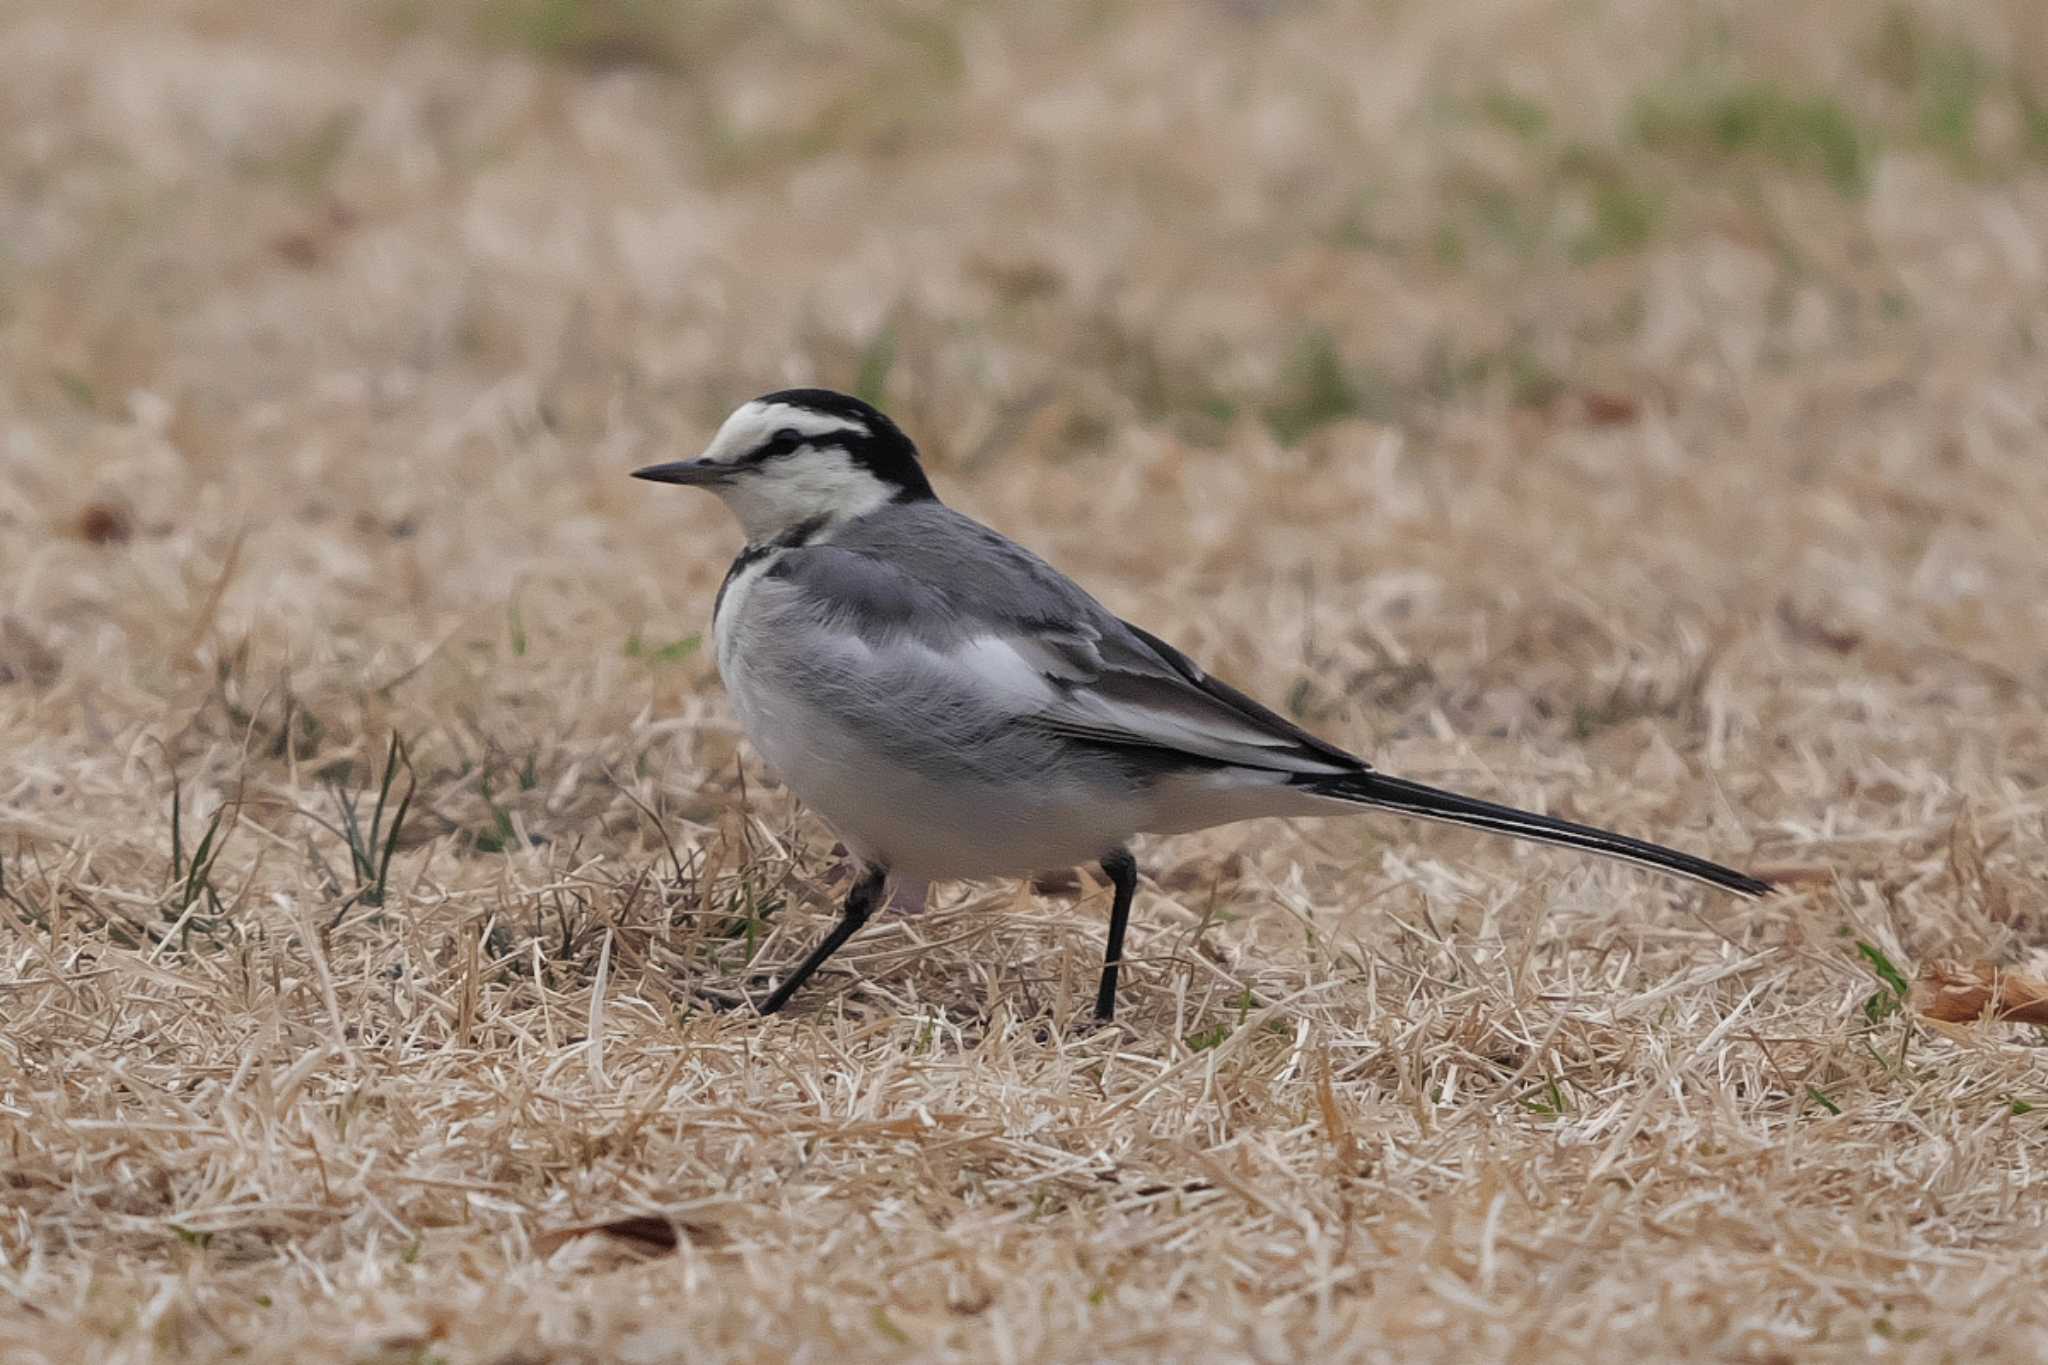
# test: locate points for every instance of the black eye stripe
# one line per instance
(783, 442)
(870, 440)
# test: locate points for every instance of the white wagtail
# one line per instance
(955, 707)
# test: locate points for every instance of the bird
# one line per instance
(955, 708)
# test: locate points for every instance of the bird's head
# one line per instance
(798, 455)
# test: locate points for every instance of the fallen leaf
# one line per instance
(1609, 409)
(1962, 992)
(649, 1234)
(299, 248)
(105, 523)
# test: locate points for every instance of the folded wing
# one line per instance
(1127, 688)
(1028, 639)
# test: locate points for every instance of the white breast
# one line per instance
(729, 621)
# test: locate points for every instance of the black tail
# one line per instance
(1430, 803)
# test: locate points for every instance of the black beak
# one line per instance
(696, 473)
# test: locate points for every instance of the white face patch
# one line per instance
(813, 481)
(772, 497)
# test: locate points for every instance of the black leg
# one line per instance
(860, 903)
(1122, 869)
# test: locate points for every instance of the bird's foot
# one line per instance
(728, 999)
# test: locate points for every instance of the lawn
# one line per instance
(1636, 411)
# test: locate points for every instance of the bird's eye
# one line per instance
(784, 442)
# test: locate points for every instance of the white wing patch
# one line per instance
(1005, 668)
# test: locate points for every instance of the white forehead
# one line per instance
(754, 424)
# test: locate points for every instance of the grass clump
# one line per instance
(1813, 133)
(1622, 210)
(674, 652)
(598, 34)
(877, 359)
(371, 845)
(1893, 989)
(1946, 80)
(1514, 374)
(1320, 388)
(192, 877)
(1517, 114)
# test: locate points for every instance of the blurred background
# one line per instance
(1542, 376)
(1629, 408)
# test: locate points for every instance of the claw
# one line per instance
(719, 1001)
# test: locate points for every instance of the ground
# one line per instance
(1634, 410)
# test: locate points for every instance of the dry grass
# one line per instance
(1623, 408)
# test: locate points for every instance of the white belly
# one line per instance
(915, 817)
(891, 813)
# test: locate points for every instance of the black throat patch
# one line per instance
(791, 538)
